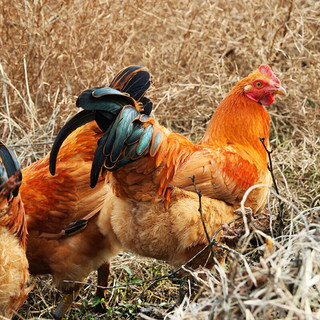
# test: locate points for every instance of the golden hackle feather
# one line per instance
(240, 121)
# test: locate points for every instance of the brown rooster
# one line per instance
(64, 214)
(150, 167)
(13, 262)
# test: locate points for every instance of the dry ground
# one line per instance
(196, 50)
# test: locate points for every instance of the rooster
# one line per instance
(153, 204)
(64, 214)
(13, 261)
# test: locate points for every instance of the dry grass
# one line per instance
(196, 50)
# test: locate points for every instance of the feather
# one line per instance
(98, 160)
(77, 121)
(155, 143)
(102, 91)
(100, 104)
(145, 140)
(147, 105)
(103, 104)
(76, 226)
(122, 126)
(134, 80)
(3, 176)
(9, 167)
(131, 152)
(127, 140)
(104, 99)
(135, 135)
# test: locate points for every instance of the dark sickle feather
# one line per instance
(98, 160)
(77, 121)
(11, 164)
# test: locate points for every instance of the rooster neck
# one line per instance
(239, 121)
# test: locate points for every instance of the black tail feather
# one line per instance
(103, 105)
(75, 227)
(10, 165)
(98, 160)
(134, 80)
(77, 121)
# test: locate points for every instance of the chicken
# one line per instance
(64, 213)
(153, 205)
(13, 261)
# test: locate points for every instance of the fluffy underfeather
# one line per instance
(13, 273)
(174, 235)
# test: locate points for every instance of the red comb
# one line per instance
(266, 70)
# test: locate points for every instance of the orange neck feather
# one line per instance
(239, 121)
(19, 227)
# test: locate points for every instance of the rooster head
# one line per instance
(262, 86)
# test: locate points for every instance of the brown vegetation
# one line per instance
(196, 51)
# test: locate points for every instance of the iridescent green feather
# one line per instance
(145, 140)
(127, 116)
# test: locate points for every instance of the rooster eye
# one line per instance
(259, 84)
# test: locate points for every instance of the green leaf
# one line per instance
(128, 270)
(85, 303)
(96, 301)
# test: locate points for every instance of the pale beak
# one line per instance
(280, 90)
